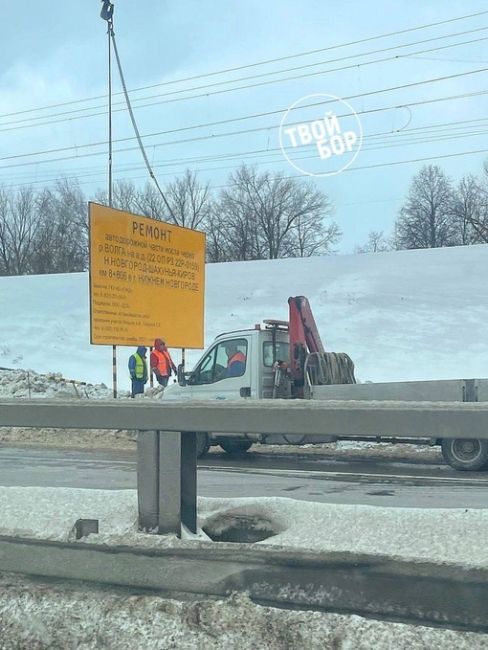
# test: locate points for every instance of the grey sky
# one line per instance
(55, 52)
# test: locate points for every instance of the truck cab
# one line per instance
(236, 365)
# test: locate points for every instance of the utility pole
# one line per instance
(106, 14)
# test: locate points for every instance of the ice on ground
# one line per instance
(455, 535)
(35, 616)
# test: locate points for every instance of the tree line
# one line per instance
(437, 213)
(255, 216)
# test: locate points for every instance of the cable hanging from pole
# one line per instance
(107, 14)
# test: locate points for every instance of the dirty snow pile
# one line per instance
(32, 385)
(454, 535)
(27, 384)
(33, 616)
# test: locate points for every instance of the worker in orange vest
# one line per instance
(161, 362)
(236, 361)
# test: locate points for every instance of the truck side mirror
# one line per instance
(181, 375)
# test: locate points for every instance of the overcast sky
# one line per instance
(54, 54)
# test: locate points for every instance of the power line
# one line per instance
(246, 131)
(259, 63)
(133, 119)
(207, 137)
(280, 160)
(366, 167)
(207, 94)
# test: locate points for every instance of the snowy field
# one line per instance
(402, 315)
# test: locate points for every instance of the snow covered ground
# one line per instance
(455, 535)
(34, 614)
(401, 315)
(35, 617)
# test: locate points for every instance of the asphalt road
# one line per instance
(354, 482)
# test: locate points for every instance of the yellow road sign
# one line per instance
(147, 280)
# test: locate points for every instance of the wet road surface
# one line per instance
(329, 481)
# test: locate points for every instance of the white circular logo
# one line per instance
(320, 135)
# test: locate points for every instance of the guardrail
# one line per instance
(166, 466)
(409, 591)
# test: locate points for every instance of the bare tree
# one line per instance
(476, 212)
(189, 200)
(150, 203)
(311, 235)
(238, 225)
(217, 238)
(470, 203)
(125, 196)
(427, 219)
(5, 253)
(61, 244)
(268, 216)
(377, 243)
(18, 230)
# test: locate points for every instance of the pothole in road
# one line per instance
(233, 527)
(382, 493)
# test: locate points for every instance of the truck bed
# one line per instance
(444, 390)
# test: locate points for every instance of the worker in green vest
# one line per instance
(138, 370)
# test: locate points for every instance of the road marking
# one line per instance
(303, 472)
(60, 459)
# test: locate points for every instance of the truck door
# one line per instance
(223, 371)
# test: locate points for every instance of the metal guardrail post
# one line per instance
(148, 479)
(189, 480)
(167, 481)
(170, 467)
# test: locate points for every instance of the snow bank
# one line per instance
(455, 535)
(401, 315)
(33, 385)
(34, 616)
(439, 535)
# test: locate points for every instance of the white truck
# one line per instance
(287, 360)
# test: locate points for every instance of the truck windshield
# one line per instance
(281, 352)
(225, 360)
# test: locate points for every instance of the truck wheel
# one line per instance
(465, 454)
(203, 444)
(235, 447)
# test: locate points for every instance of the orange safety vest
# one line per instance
(164, 362)
(238, 356)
